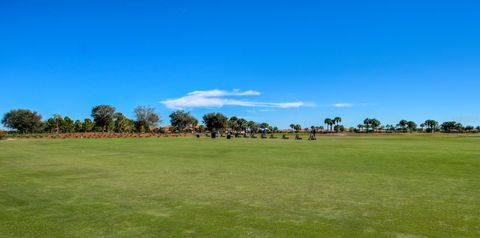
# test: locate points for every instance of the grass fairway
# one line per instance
(379, 186)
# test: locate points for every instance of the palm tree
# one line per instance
(293, 127)
(375, 124)
(367, 123)
(329, 123)
(431, 125)
(403, 124)
(298, 127)
(337, 120)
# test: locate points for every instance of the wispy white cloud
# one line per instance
(342, 105)
(346, 105)
(220, 98)
(223, 93)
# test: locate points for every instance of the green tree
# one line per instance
(469, 128)
(68, 125)
(253, 127)
(337, 120)
(390, 128)
(103, 116)
(50, 126)
(146, 118)
(339, 128)
(375, 124)
(366, 123)
(297, 128)
(452, 126)
(88, 125)
(232, 123)
(122, 124)
(181, 120)
(412, 126)
(242, 125)
(275, 129)
(431, 125)
(54, 124)
(78, 126)
(58, 122)
(328, 122)
(215, 122)
(292, 126)
(422, 125)
(264, 125)
(403, 125)
(23, 120)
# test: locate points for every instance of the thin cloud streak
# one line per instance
(220, 98)
(347, 105)
(223, 93)
(342, 105)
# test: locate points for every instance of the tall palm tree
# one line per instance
(367, 122)
(328, 122)
(431, 125)
(337, 120)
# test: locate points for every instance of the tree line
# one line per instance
(105, 118)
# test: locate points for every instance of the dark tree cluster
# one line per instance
(23, 120)
(105, 119)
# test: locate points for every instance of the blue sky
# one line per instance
(277, 61)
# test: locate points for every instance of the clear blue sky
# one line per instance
(386, 59)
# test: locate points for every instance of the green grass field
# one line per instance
(377, 186)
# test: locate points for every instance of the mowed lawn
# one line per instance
(375, 186)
